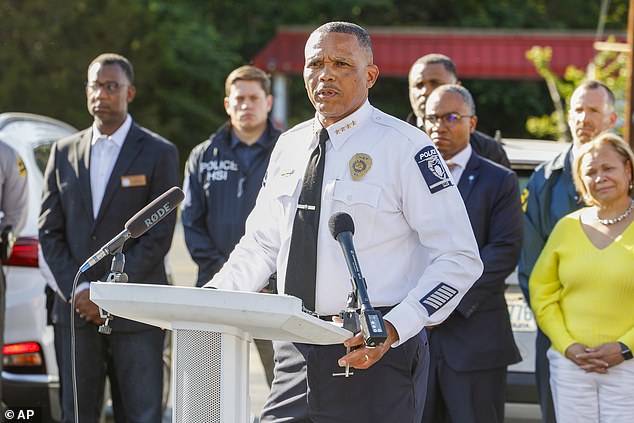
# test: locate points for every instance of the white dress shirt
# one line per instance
(459, 162)
(415, 247)
(104, 152)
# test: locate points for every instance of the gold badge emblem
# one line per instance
(360, 164)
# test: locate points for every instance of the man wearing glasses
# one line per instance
(470, 351)
(95, 181)
(430, 72)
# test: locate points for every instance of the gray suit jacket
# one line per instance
(68, 232)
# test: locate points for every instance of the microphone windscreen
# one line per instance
(340, 222)
(154, 212)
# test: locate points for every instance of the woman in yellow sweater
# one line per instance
(582, 290)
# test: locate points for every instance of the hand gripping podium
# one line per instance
(212, 331)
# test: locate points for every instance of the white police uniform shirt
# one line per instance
(14, 193)
(413, 238)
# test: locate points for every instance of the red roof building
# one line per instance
(477, 53)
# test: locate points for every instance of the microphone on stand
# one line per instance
(373, 329)
(138, 224)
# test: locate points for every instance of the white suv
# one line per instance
(29, 377)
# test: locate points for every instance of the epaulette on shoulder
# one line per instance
(409, 132)
(300, 126)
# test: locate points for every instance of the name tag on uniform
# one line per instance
(133, 181)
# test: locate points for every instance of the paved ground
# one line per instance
(184, 271)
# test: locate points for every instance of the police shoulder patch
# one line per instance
(438, 297)
(21, 167)
(430, 165)
(524, 199)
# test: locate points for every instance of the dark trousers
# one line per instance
(462, 397)
(305, 390)
(136, 358)
(542, 375)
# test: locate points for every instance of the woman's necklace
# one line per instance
(618, 218)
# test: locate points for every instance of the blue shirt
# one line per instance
(246, 153)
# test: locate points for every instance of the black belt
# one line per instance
(328, 317)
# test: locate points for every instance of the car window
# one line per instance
(35, 135)
(41, 153)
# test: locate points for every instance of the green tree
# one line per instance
(607, 67)
(182, 51)
(178, 58)
(495, 13)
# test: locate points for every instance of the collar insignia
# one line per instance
(346, 127)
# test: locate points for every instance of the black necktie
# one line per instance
(301, 269)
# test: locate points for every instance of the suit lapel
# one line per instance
(469, 176)
(83, 170)
(129, 151)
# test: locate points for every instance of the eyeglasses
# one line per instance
(448, 119)
(111, 87)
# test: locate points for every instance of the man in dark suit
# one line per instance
(471, 350)
(94, 182)
(428, 73)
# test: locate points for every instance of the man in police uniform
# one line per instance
(550, 195)
(470, 351)
(413, 241)
(14, 195)
(430, 72)
(223, 176)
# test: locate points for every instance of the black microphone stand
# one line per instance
(351, 322)
(116, 275)
(350, 316)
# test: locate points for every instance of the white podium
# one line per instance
(212, 332)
